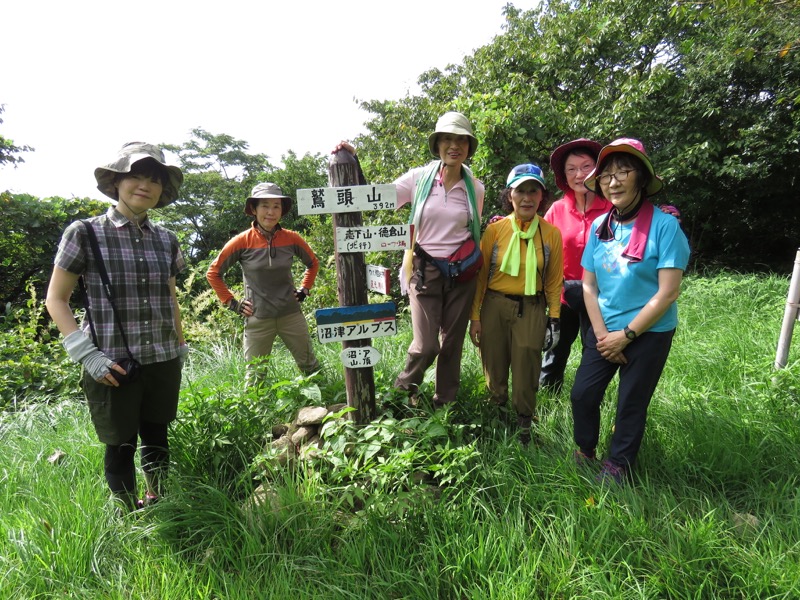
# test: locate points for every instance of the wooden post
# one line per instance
(343, 171)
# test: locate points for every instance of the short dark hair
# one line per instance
(624, 160)
(580, 151)
(505, 199)
(149, 168)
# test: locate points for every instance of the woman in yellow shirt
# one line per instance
(517, 303)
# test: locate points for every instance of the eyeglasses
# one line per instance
(620, 176)
(572, 171)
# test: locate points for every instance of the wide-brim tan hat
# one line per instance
(267, 190)
(456, 123)
(129, 154)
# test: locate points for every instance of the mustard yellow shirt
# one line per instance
(549, 258)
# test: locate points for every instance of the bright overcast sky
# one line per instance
(81, 78)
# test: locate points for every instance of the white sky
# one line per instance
(79, 79)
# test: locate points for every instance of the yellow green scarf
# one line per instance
(511, 260)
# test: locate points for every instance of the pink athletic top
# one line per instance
(575, 226)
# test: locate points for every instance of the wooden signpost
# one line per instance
(356, 322)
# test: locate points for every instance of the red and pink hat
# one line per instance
(628, 146)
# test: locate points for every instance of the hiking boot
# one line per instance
(148, 500)
(524, 424)
(584, 459)
(612, 473)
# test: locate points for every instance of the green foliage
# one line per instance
(33, 365)
(9, 151)
(29, 234)
(219, 174)
(711, 89)
(433, 504)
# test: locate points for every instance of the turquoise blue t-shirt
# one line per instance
(624, 286)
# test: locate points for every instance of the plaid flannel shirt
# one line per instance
(139, 263)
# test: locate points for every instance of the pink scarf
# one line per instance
(634, 251)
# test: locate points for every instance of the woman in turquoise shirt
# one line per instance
(633, 266)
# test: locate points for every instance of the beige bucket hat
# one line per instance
(453, 122)
(267, 190)
(131, 153)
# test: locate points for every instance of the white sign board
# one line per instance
(356, 198)
(378, 279)
(359, 358)
(380, 238)
(356, 322)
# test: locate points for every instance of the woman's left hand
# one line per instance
(344, 145)
(611, 346)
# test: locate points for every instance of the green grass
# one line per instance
(494, 520)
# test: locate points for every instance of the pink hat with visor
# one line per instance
(627, 146)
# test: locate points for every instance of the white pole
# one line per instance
(790, 315)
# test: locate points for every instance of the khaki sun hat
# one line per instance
(131, 153)
(266, 190)
(456, 123)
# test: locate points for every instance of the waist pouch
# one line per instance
(461, 266)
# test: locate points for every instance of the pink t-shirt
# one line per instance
(443, 223)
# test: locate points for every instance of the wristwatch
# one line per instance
(629, 333)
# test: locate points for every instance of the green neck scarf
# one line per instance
(511, 260)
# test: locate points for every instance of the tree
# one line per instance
(9, 150)
(30, 231)
(712, 89)
(219, 174)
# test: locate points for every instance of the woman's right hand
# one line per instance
(475, 332)
(244, 308)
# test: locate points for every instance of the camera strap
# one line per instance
(107, 288)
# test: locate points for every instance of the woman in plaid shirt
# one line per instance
(142, 260)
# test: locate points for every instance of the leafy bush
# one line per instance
(32, 361)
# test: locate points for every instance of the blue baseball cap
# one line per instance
(525, 172)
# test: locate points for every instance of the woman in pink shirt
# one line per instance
(573, 215)
(446, 203)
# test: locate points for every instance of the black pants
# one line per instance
(574, 320)
(120, 470)
(646, 357)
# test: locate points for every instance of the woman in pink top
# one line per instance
(446, 203)
(573, 215)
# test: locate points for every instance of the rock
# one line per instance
(302, 434)
(421, 477)
(283, 451)
(311, 415)
(56, 457)
(279, 430)
(745, 523)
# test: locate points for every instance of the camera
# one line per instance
(132, 370)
